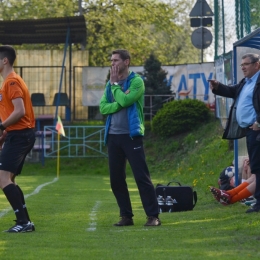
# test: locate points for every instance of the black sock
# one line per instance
(23, 201)
(13, 196)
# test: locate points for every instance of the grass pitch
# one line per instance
(74, 215)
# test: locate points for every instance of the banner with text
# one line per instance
(186, 81)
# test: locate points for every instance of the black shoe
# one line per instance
(255, 208)
(153, 221)
(125, 221)
(33, 227)
(20, 228)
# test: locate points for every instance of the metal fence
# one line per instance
(152, 103)
(80, 141)
(47, 80)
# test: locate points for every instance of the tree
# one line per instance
(156, 85)
(35, 9)
(155, 78)
(141, 26)
(254, 11)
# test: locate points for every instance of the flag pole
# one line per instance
(58, 157)
(60, 129)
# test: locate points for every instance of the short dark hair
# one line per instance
(252, 56)
(7, 51)
(124, 54)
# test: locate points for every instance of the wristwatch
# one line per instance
(258, 125)
(2, 127)
(115, 83)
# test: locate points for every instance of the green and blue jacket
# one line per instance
(114, 99)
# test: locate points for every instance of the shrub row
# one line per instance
(180, 116)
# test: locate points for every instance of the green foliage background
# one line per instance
(141, 26)
(254, 11)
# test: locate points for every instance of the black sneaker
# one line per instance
(153, 221)
(33, 227)
(21, 228)
(255, 208)
(125, 221)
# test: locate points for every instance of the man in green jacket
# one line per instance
(123, 101)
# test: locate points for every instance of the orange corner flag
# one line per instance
(59, 127)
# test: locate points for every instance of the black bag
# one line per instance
(175, 198)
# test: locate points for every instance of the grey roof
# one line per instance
(49, 30)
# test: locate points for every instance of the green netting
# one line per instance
(232, 22)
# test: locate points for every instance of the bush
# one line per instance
(179, 116)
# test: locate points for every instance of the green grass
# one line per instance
(74, 215)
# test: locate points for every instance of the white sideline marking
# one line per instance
(93, 217)
(37, 190)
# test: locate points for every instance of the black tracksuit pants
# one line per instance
(253, 147)
(121, 147)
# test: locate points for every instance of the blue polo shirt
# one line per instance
(245, 112)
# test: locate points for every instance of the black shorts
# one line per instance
(17, 145)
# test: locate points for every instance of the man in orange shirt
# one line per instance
(17, 132)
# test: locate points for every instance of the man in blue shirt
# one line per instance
(244, 116)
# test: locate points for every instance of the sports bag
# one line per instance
(175, 198)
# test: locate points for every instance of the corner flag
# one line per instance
(59, 127)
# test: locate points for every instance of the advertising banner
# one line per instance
(186, 81)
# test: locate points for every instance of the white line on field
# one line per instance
(93, 217)
(37, 190)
